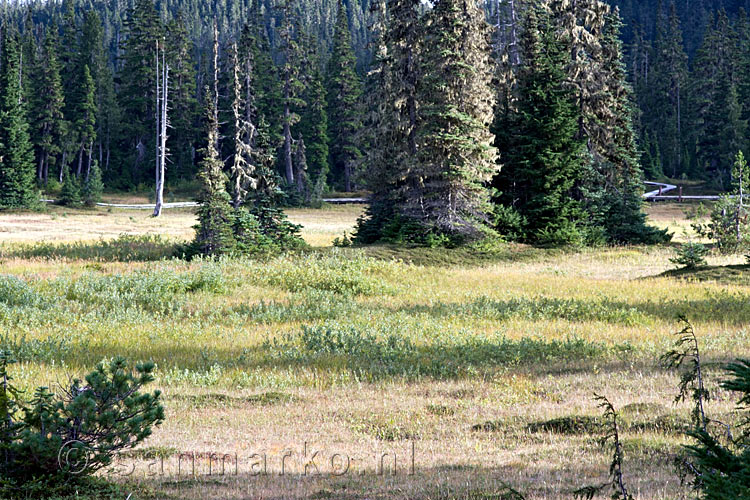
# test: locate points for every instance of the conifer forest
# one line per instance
(358, 249)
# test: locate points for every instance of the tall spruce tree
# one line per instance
(292, 87)
(17, 188)
(615, 152)
(183, 103)
(85, 124)
(214, 230)
(344, 92)
(456, 156)
(544, 156)
(313, 124)
(393, 116)
(46, 106)
(137, 95)
(666, 107)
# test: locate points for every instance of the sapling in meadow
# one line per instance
(691, 256)
(611, 435)
(687, 352)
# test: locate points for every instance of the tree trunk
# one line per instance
(88, 166)
(347, 177)
(62, 164)
(45, 173)
(162, 135)
(80, 161)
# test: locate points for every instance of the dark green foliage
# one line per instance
(183, 102)
(214, 230)
(344, 91)
(137, 91)
(17, 187)
(457, 159)
(70, 194)
(691, 380)
(543, 159)
(723, 468)
(264, 231)
(392, 117)
(260, 228)
(55, 440)
(691, 255)
(313, 126)
(93, 186)
(46, 107)
(619, 208)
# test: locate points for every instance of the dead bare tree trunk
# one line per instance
(161, 130)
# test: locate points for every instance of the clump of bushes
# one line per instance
(54, 441)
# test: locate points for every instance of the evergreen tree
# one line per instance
(85, 124)
(616, 153)
(667, 104)
(313, 124)
(214, 230)
(292, 87)
(456, 155)
(46, 107)
(344, 91)
(393, 117)
(70, 193)
(183, 104)
(93, 187)
(17, 189)
(95, 55)
(544, 158)
(29, 52)
(137, 95)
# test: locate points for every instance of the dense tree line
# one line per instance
(536, 124)
(693, 99)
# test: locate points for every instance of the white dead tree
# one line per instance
(162, 123)
(242, 168)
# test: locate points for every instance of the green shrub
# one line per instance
(93, 186)
(70, 194)
(16, 292)
(158, 290)
(376, 355)
(723, 467)
(691, 256)
(56, 440)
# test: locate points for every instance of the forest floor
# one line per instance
(456, 363)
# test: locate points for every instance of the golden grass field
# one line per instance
(275, 360)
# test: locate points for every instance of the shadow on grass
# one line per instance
(734, 275)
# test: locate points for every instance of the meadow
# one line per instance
(474, 368)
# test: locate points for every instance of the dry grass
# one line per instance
(229, 392)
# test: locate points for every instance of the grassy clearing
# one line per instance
(480, 362)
